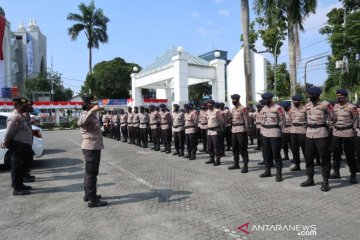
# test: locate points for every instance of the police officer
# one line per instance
(123, 125)
(257, 119)
(191, 123)
(143, 128)
(116, 128)
(154, 126)
(203, 126)
(358, 139)
(285, 137)
(165, 121)
(298, 130)
(344, 126)
(239, 137)
(130, 120)
(214, 134)
(28, 177)
(273, 120)
(318, 112)
(227, 120)
(18, 139)
(178, 119)
(136, 125)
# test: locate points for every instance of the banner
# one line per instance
(2, 32)
(30, 54)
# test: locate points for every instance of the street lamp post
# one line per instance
(311, 60)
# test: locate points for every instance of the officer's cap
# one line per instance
(191, 104)
(314, 90)
(217, 105)
(267, 95)
(29, 102)
(151, 106)
(212, 102)
(285, 104)
(176, 105)
(343, 92)
(221, 104)
(129, 107)
(162, 105)
(262, 102)
(203, 104)
(235, 96)
(88, 98)
(142, 107)
(136, 108)
(186, 106)
(297, 98)
(20, 100)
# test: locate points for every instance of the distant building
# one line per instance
(24, 54)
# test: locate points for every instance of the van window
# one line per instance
(3, 122)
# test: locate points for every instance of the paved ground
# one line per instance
(152, 195)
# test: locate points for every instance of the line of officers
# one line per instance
(317, 128)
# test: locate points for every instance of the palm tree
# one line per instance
(245, 22)
(295, 13)
(93, 22)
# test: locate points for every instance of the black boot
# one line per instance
(176, 153)
(192, 156)
(164, 150)
(245, 168)
(181, 154)
(309, 182)
(286, 157)
(295, 168)
(353, 178)
(261, 163)
(278, 177)
(317, 162)
(335, 175)
(217, 162)
(235, 166)
(157, 148)
(325, 185)
(96, 203)
(187, 155)
(211, 160)
(267, 173)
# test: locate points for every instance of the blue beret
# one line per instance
(297, 98)
(217, 105)
(314, 90)
(142, 107)
(343, 92)
(211, 102)
(221, 104)
(162, 105)
(235, 96)
(267, 95)
(136, 107)
(176, 105)
(151, 106)
(285, 104)
(186, 105)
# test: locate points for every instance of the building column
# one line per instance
(135, 92)
(218, 84)
(180, 79)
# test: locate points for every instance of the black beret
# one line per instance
(211, 102)
(259, 105)
(176, 105)
(285, 104)
(262, 102)
(217, 105)
(136, 107)
(267, 95)
(88, 98)
(297, 98)
(343, 92)
(186, 105)
(151, 106)
(20, 100)
(129, 107)
(221, 104)
(142, 107)
(314, 90)
(235, 96)
(162, 105)
(191, 104)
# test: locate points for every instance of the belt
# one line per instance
(299, 124)
(213, 128)
(287, 125)
(153, 124)
(123, 122)
(165, 124)
(143, 122)
(270, 126)
(187, 127)
(343, 128)
(176, 126)
(135, 122)
(203, 123)
(316, 125)
(238, 124)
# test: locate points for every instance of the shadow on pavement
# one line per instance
(77, 187)
(53, 151)
(57, 170)
(163, 195)
(55, 162)
(60, 177)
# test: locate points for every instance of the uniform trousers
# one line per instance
(166, 136)
(92, 163)
(179, 140)
(240, 146)
(297, 142)
(203, 133)
(144, 136)
(21, 155)
(124, 132)
(349, 146)
(191, 143)
(320, 146)
(214, 147)
(271, 151)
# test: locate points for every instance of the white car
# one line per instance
(38, 142)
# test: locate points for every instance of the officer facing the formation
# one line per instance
(203, 126)
(318, 112)
(144, 124)
(273, 120)
(30, 109)
(165, 120)
(178, 127)
(18, 139)
(92, 143)
(215, 129)
(239, 138)
(191, 123)
(298, 130)
(123, 125)
(344, 126)
(136, 125)
(154, 124)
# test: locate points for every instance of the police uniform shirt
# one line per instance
(287, 128)
(203, 119)
(240, 119)
(136, 120)
(123, 119)
(298, 119)
(178, 121)
(215, 121)
(345, 120)
(258, 119)
(191, 121)
(144, 119)
(227, 117)
(90, 129)
(318, 114)
(115, 119)
(273, 120)
(130, 119)
(18, 129)
(154, 119)
(165, 120)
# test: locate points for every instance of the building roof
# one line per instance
(166, 59)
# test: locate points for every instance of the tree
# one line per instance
(93, 22)
(198, 91)
(253, 37)
(281, 85)
(42, 83)
(245, 23)
(110, 79)
(295, 13)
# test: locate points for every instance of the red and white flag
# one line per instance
(2, 32)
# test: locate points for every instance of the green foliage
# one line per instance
(42, 83)
(253, 36)
(278, 80)
(74, 123)
(198, 91)
(110, 79)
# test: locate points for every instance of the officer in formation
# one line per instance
(203, 126)
(191, 123)
(178, 127)
(154, 123)
(286, 143)
(136, 126)
(166, 122)
(130, 119)
(18, 139)
(123, 125)
(143, 127)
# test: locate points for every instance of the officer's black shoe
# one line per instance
(29, 176)
(353, 178)
(145, 146)
(257, 148)
(295, 168)
(272, 165)
(21, 192)
(97, 203)
(285, 158)
(335, 175)
(325, 185)
(308, 183)
(176, 153)
(187, 156)
(203, 150)
(25, 187)
(278, 177)
(181, 154)
(164, 150)
(157, 149)
(265, 174)
(192, 158)
(211, 160)
(228, 149)
(261, 163)
(292, 161)
(223, 154)
(27, 180)
(217, 163)
(245, 168)
(233, 167)
(168, 151)
(317, 163)
(86, 198)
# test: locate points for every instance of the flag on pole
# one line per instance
(2, 32)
